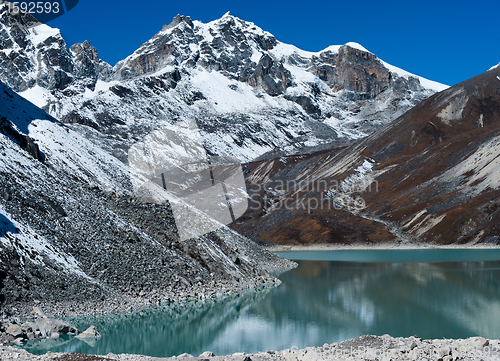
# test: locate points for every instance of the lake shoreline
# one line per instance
(378, 246)
(124, 303)
(91, 307)
(361, 348)
(119, 303)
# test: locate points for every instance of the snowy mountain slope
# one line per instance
(249, 93)
(62, 148)
(70, 229)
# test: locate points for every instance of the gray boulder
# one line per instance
(15, 331)
(90, 332)
(29, 327)
(47, 326)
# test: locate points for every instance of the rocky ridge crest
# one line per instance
(250, 94)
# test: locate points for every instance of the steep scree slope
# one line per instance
(70, 231)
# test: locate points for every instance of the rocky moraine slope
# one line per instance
(73, 234)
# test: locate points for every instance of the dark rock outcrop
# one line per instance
(56, 63)
(271, 75)
(87, 65)
(75, 118)
(23, 140)
(12, 62)
(169, 47)
(2, 277)
(306, 103)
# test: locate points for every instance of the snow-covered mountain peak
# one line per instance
(357, 46)
(250, 93)
(176, 21)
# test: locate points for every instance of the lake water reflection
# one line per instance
(318, 302)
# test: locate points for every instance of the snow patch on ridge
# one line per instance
(42, 32)
(217, 88)
(453, 111)
(494, 67)
(67, 149)
(62, 147)
(38, 96)
(357, 46)
(426, 83)
(284, 50)
(359, 175)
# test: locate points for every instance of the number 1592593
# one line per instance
(34, 7)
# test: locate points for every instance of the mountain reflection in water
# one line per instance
(319, 302)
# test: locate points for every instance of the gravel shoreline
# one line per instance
(379, 246)
(121, 302)
(363, 348)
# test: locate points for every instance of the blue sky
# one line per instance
(445, 41)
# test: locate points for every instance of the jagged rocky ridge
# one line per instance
(431, 176)
(249, 93)
(71, 232)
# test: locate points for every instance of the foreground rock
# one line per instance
(48, 327)
(90, 332)
(13, 331)
(364, 348)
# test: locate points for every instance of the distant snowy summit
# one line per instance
(251, 95)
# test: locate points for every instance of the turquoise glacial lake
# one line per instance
(332, 296)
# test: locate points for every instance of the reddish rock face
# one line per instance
(440, 161)
(360, 71)
(353, 69)
(76, 118)
(437, 179)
